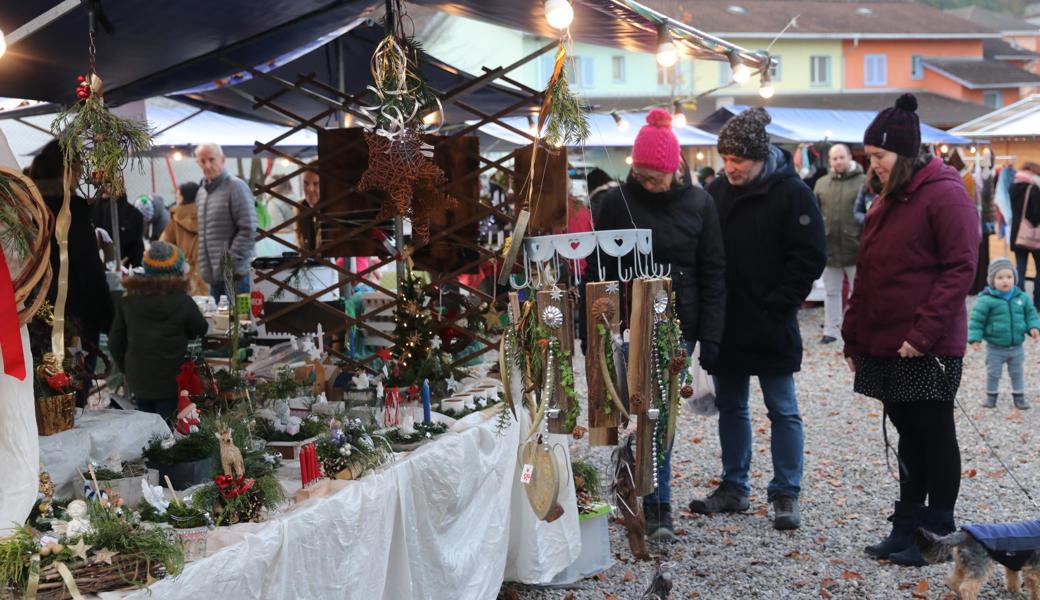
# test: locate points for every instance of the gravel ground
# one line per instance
(847, 492)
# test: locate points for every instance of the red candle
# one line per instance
(305, 465)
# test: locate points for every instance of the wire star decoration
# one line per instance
(556, 294)
(612, 287)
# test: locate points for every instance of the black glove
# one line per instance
(709, 355)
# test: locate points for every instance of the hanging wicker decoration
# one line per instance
(26, 236)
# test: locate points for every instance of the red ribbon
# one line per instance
(10, 328)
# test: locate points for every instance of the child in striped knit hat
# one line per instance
(154, 322)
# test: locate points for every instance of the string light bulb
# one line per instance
(678, 118)
(177, 155)
(741, 72)
(700, 156)
(3, 43)
(628, 160)
(621, 122)
(765, 88)
(348, 120)
(974, 149)
(559, 13)
(667, 55)
(944, 148)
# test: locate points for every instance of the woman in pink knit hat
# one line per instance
(686, 236)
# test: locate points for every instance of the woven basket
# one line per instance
(55, 414)
(94, 578)
(35, 274)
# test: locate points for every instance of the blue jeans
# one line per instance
(1015, 357)
(662, 494)
(219, 289)
(788, 439)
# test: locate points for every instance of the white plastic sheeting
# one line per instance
(447, 521)
(98, 435)
(18, 444)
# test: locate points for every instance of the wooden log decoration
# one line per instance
(640, 377)
(555, 314)
(603, 308)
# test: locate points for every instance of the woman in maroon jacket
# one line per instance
(906, 327)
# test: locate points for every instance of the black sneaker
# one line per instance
(828, 340)
(725, 498)
(1021, 403)
(659, 527)
(786, 514)
(990, 401)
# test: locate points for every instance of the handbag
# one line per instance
(702, 402)
(1028, 234)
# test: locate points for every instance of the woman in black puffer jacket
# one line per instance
(686, 236)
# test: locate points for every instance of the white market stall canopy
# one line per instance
(1018, 120)
(605, 131)
(808, 125)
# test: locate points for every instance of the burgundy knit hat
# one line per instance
(656, 146)
(897, 128)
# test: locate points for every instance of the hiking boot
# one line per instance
(990, 401)
(786, 514)
(827, 339)
(936, 520)
(726, 498)
(659, 526)
(904, 521)
(1021, 403)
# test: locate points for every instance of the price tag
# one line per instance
(525, 477)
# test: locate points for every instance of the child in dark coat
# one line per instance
(1002, 316)
(154, 323)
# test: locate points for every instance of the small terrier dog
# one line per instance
(973, 561)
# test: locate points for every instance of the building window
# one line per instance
(820, 71)
(917, 67)
(875, 70)
(617, 66)
(667, 76)
(724, 73)
(776, 71)
(584, 72)
(994, 99)
(545, 68)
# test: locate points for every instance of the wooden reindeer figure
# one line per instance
(230, 456)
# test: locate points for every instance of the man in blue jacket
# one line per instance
(776, 248)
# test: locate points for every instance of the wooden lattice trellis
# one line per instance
(337, 103)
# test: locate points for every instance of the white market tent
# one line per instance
(1018, 120)
(605, 132)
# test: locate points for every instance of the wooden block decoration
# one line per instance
(640, 380)
(343, 158)
(551, 185)
(458, 157)
(600, 299)
(557, 316)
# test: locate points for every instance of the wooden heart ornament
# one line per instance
(543, 488)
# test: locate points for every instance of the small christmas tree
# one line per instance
(414, 329)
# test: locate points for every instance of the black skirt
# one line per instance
(921, 379)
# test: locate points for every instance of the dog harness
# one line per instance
(1010, 544)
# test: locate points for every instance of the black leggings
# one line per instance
(928, 451)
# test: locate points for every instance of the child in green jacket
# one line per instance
(1002, 316)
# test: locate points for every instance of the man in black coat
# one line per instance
(775, 245)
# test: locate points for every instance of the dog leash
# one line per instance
(985, 441)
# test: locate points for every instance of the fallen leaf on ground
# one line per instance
(629, 576)
(851, 576)
(921, 589)
(970, 472)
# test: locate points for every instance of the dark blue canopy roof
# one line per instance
(157, 48)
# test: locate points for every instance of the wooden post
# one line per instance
(564, 333)
(640, 378)
(600, 300)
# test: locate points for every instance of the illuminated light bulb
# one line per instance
(621, 122)
(944, 148)
(741, 72)
(559, 13)
(432, 119)
(766, 89)
(348, 120)
(285, 162)
(667, 55)
(177, 155)
(974, 149)
(3, 43)
(628, 160)
(678, 118)
(700, 156)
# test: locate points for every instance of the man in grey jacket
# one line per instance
(227, 221)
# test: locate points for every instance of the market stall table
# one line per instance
(450, 518)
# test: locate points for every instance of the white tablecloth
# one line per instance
(98, 435)
(449, 520)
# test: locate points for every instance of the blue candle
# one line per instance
(426, 401)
